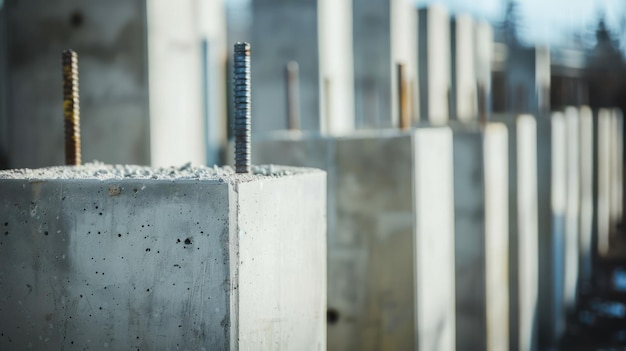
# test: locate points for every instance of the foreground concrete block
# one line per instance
(481, 237)
(523, 232)
(390, 222)
(552, 194)
(96, 257)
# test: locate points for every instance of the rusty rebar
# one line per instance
(292, 79)
(242, 100)
(71, 108)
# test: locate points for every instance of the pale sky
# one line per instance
(544, 21)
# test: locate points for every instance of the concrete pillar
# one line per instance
(319, 39)
(380, 44)
(523, 231)
(572, 207)
(483, 52)
(551, 190)
(586, 164)
(140, 77)
(434, 64)
(191, 258)
(463, 88)
(617, 167)
(390, 221)
(481, 237)
(604, 131)
(336, 79)
(527, 77)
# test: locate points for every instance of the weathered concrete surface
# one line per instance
(380, 43)
(481, 236)
(551, 186)
(139, 64)
(523, 231)
(160, 261)
(434, 64)
(389, 222)
(463, 94)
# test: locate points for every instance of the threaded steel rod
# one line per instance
(242, 107)
(71, 108)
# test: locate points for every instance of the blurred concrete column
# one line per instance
(586, 145)
(572, 207)
(527, 77)
(381, 43)
(336, 72)
(483, 52)
(463, 90)
(434, 64)
(178, 65)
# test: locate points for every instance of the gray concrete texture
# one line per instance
(100, 258)
(390, 220)
(481, 236)
(134, 58)
(523, 230)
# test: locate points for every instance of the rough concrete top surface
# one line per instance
(101, 171)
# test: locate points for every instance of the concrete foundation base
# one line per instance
(390, 222)
(481, 237)
(95, 257)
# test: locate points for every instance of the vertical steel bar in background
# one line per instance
(403, 97)
(292, 75)
(71, 108)
(242, 101)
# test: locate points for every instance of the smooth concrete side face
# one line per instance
(434, 64)
(148, 268)
(161, 264)
(372, 278)
(572, 207)
(496, 235)
(272, 48)
(281, 287)
(481, 237)
(586, 143)
(434, 239)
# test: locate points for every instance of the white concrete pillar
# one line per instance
(463, 90)
(586, 145)
(572, 209)
(434, 64)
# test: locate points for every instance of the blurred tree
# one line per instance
(511, 24)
